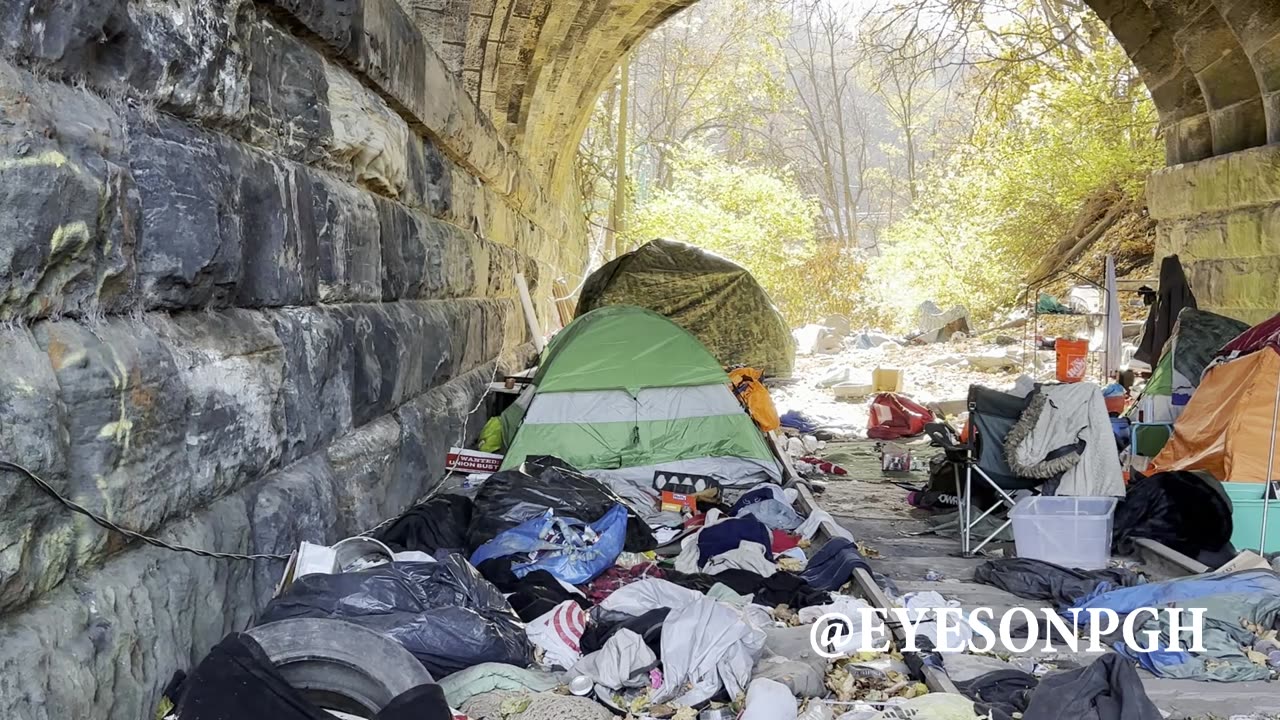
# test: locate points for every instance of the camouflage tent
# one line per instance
(711, 297)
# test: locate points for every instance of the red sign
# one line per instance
(472, 461)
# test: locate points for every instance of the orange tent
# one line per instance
(1229, 427)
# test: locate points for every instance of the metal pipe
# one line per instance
(530, 317)
(1271, 457)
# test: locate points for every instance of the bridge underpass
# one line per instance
(257, 260)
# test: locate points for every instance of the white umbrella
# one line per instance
(1113, 330)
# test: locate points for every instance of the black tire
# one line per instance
(338, 665)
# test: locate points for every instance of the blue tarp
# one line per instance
(568, 549)
(1229, 601)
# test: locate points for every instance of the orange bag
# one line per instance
(753, 396)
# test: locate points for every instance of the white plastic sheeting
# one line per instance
(769, 700)
(624, 656)
(640, 597)
(707, 644)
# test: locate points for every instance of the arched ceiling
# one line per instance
(536, 66)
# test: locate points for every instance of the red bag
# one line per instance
(895, 416)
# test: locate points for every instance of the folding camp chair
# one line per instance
(991, 415)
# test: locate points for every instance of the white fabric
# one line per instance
(623, 657)
(1076, 411)
(1114, 329)
(919, 605)
(709, 644)
(820, 518)
(557, 632)
(412, 556)
(642, 596)
(591, 407)
(864, 631)
(747, 556)
(769, 700)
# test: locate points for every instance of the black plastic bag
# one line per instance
(444, 613)
(1183, 510)
(511, 497)
(438, 524)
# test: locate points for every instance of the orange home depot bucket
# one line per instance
(1073, 359)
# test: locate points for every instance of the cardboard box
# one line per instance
(678, 502)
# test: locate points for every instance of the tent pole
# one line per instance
(1271, 457)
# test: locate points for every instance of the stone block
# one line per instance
(365, 460)
(1254, 178)
(430, 178)
(377, 350)
(1266, 62)
(466, 262)
(1238, 127)
(426, 331)
(433, 423)
(412, 258)
(370, 143)
(32, 434)
(1272, 104)
(1236, 283)
(333, 21)
(157, 417)
(317, 378)
(105, 645)
(186, 56)
(279, 247)
(293, 504)
(70, 219)
(289, 96)
(189, 249)
(348, 242)
(1188, 140)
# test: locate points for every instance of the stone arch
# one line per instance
(536, 67)
(1257, 26)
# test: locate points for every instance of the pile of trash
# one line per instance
(542, 593)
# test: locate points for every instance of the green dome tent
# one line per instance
(623, 392)
(713, 298)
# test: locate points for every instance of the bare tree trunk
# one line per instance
(618, 209)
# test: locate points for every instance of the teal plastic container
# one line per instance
(1246, 517)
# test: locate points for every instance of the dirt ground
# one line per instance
(934, 373)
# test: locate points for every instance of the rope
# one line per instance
(132, 534)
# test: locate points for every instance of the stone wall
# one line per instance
(256, 267)
(1221, 216)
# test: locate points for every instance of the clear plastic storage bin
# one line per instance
(1073, 532)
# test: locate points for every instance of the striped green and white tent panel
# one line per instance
(622, 392)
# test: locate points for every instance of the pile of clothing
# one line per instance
(547, 594)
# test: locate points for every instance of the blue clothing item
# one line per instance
(834, 563)
(797, 421)
(726, 535)
(776, 515)
(755, 496)
(1156, 662)
(1159, 594)
(560, 545)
